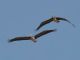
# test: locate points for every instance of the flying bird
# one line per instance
(33, 38)
(54, 19)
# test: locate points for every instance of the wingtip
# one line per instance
(54, 30)
(37, 29)
(10, 40)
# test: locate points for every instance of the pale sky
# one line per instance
(21, 18)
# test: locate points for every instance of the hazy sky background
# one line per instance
(21, 18)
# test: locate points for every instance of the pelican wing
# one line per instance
(43, 33)
(44, 23)
(19, 39)
(66, 20)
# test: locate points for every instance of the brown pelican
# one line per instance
(33, 38)
(54, 19)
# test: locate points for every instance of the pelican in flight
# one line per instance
(54, 19)
(33, 38)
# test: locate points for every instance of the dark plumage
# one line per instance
(54, 19)
(63, 19)
(44, 23)
(33, 38)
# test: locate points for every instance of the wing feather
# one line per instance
(19, 39)
(66, 20)
(44, 23)
(43, 33)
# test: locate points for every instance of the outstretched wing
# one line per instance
(19, 39)
(65, 20)
(43, 33)
(44, 23)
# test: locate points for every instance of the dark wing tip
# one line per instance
(37, 29)
(42, 24)
(54, 30)
(14, 39)
(11, 40)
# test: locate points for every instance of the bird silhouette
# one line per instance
(33, 38)
(54, 19)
